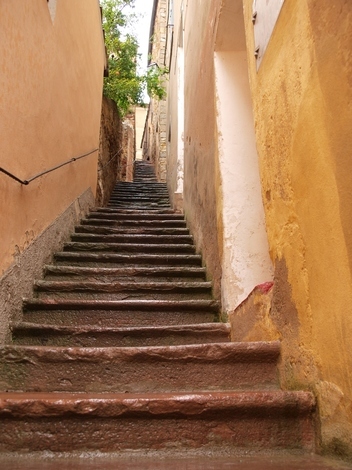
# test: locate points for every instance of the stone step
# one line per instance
(140, 185)
(111, 222)
(138, 199)
(137, 248)
(147, 192)
(137, 206)
(119, 290)
(133, 238)
(154, 369)
(133, 216)
(107, 230)
(90, 336)
(120, 313)
(99, 259)
(53, 272)
(111, 210)
(179, 422)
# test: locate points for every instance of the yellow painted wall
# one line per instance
(302, 98)
(50, 106)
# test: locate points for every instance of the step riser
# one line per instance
(122, 295)
(144, 216)
(141, 224)
(113, 318)
(130, 231)
(139, 206)
(124, 277)
(127, 261)
(72, 273)
(121, 370)
(219, 432)
(122, 248)
(108, 340)
(132, 274)
(143, 239)
(115, 288)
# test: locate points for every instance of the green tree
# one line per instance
(124, 84)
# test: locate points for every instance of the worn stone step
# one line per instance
(179, 422)
(111, 210)
(137, 199)
(133, 238)
(107, 230)
(133, 216)
(159, 192)
(129, 247)
(119, 290)
(90, 336)
(156, 223)
(187, 368)
(53, 272)
(139, 185)
(137, 206)
(99, 259)
(120, 313)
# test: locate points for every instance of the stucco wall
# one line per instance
(201, 175)
(303, 110)
(50, 104)
(175, 110)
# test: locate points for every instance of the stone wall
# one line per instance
(156, 131)
(110, 151)
(125, 169)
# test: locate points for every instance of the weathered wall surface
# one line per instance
(175, 109)
(155, 136)
(50, 106)
(202, 204)
(125, 170)
(110, 150)
(303, 110)
(17, 281)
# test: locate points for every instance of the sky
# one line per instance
(144, 10)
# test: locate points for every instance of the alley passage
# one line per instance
(121, 348)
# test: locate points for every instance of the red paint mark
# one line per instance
(265, 287)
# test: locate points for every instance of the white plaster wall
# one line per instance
(246, 262)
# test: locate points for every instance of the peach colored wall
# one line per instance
(303, 111)
(50, 105)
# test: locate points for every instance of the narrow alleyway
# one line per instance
(121, 350)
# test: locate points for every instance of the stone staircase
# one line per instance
(120, 348)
